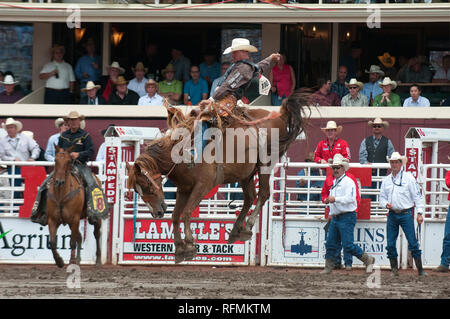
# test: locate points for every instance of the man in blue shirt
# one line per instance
(416, 99)
(196, 89)
(209, 68)
(371, 88)
(88, 67)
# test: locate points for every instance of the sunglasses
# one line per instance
(377, 126)
(353, 87)
(336, 167)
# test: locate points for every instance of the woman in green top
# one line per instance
(387, 98)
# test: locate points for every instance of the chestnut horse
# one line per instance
(66, 205)
(145, 176)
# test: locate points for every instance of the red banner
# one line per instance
(111, 174)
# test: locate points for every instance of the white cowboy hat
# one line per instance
(240, 44)
(74, 115)
(91, 85)
(58, 122)
(387, 81)
(116, 65)
(28, 134)
(331, 125)
(354, 82)
(375, 69)
(338, 159)
(378, 120)
(9, 79)
(151, 82)
(397, 157)
(11, 121)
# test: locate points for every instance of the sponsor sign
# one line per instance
(111, 174)
(27, 242)
(154, 242)
(305, 242)
(412, 161)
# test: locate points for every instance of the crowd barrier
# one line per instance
(289, 232)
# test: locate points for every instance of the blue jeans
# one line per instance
(445, 257)
(342, 227)
(276, 100)
(406, 221)
(348, 259)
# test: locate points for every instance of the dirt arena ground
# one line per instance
(198, 282)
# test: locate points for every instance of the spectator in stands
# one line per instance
(416, 99)
(399, 193)
(403, 65)
(209, 68)
(283, 82)
(371, 88)
(302, 183)
(91, 97)
(343, 204)
(387, 98)
(17, 147)
(339, 86)
(331, 145)
(445, 256)
(354, 98)
(442, 74)
(152, 98)
(196, 89)
(416, 72)
(10, 95)
(181, 64)
(122, 95)
(323, 96)
(137, 84)
(170, 88)
(50, 151)
(224, 67)
(387, 64)
(89, 66)
(108, 82)
(60, 79)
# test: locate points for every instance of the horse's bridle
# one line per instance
(152, 179)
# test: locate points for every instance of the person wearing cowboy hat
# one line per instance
(387, 98)
(343, 204)
(10, 95)
(137, 84)
(388, 64)
(331, 145)
(122, 95)
(355, 97)
(400, 193)
(170, 88)
(60, 78)
(90, 97)
(16, 146)
(89, 66)
(108, 82)
(62, 126)
(371, 88)
(152, 98)
(376, 147)
(416, 99)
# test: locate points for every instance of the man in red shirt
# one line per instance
(332, 145)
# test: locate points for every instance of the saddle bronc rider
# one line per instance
(83, 151)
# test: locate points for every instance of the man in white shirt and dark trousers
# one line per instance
(343, 203)
(399, 193)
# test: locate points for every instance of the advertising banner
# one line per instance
(305, 242)
(22, 241)
(153, 242)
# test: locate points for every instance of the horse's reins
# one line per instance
(156, 176)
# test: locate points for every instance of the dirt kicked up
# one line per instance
(198, 282)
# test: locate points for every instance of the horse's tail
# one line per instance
(293, 112)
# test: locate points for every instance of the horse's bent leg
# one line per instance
(179, 206)
(75, 243)
(52, 229)
(248, 188)
(97, 227)
(263, 195)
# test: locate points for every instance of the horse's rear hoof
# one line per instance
(179, 258)
(59, 263)
(245, 235)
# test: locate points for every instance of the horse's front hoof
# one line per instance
(234, 235)
(179, 258)
(190, 253)
(245, 235)
(59, 262)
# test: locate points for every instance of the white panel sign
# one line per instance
(27, 242)
(432, 239)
